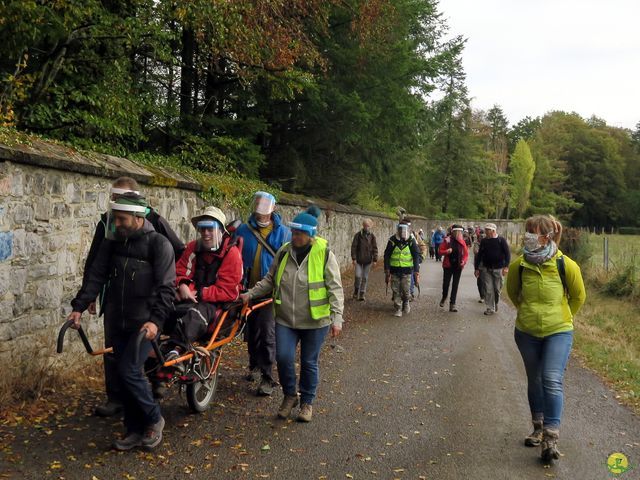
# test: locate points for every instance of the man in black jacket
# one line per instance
(138, 269)
(364, 254)
(491, 264)
(122, 186)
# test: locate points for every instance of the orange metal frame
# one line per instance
(212, 345)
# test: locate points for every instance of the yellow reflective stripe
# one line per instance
(318, 295)
(281, 267)
(319, 303)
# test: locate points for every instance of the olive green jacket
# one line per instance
(543, 306)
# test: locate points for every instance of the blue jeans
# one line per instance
(310, 342)
(140, 408)
(545, 360)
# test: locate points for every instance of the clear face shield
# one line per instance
(211, 233)
(264, 203)
(403, 232)
(121, 220)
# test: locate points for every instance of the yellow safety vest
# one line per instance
(401, 257)
(318, 295)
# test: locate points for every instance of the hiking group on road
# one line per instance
(139, 273)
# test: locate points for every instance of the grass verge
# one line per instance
(607, 340)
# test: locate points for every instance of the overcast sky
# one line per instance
(532, 56)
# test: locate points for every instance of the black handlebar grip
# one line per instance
(63, 330)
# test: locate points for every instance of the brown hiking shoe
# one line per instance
(153, 435)
(535, 438)
(306, 411)
(129, 441)
(288, 403)
(549, 445)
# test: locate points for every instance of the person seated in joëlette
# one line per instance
(208, 274)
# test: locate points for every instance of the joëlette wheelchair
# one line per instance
(196, 370)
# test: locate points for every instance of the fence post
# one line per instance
(606, 253)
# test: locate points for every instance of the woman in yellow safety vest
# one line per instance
(304, 281)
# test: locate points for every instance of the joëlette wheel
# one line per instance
(200, 394)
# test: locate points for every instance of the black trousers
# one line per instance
(261, 341)
(111, 381)
(449, 274)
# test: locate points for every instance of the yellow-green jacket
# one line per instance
(543, 307)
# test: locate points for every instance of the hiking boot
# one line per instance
(412, 297)
(535, 438)
(549, 445)
(442, 302)
(153, 435)
(488, 311)
(398, 312)
(288, 404)
(265, 389)
(254, 375)
(355, 295)
(159, 389)
(109, 409)
(361, 298)
(452, 307)
(306, 411)
(129, 441)
(481, 300)
(406, 307)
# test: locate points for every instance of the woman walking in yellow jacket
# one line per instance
(547, 289)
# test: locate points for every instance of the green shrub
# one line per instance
(622, 283)
(575, 243)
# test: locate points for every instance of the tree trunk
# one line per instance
(186, 76)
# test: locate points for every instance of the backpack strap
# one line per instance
(562, 273)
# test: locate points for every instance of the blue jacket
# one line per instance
(280, 235)
(437, 238)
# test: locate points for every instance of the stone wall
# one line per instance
(50, 200)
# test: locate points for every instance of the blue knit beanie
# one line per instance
(307, 221)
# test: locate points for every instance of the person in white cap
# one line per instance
(491, 264)
(455, 254)
(209, 273)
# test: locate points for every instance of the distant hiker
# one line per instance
(436, 240)
(432, 250)
(401, 262)
(478, 236)
(455, 254)
(364, 255)
(547, 290)
(491, 264)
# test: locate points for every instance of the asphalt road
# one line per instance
(433, 395)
